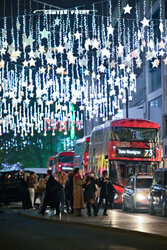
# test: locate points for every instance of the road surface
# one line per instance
(21, 233)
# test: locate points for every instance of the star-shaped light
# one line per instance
(86, 72)
(13, 56)
(139, 63)
(60, 49)
(102, 68)
(44, 33)
(122, 66)
(37, 54)
(132, 76)
(80, 50)
(161, 52)
(32, 62)
(83, 62)
(110, 30)
(149, 55)
(105, 52)
(29, 41)
(95, 44)
(154, 54)
(60, 70)
(3, 51)
(25, 63)
(42, 70)
(72, 60)
(127, 9)
(67, 78)
(155, 63)
(77, 35)
(145, 22)
(162, 44)
(134, 53)
(120, 49)
(31, 54)
(81, 107)
(57, 21)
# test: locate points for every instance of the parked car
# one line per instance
(158, 193)
(136, 192)
(11, 186)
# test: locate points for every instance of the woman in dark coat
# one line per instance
(51, 195)
(89, 193)
(26, 201)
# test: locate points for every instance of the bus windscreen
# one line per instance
(134, 134)
(65, 159)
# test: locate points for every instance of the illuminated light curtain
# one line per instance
(50, 61)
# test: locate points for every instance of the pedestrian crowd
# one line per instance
(68, 192)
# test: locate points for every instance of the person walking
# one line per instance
(51, 194)
(78, 202)
(61, 178)
(41, 187)
(107, 192)
(89, 193)
(26, 201)
(32, 182)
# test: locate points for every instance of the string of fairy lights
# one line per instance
(53, 60)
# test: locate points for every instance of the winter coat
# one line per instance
(78, 192)
(31, 181)
(52, 188)
(107, 189)
(90, 189)
(69, 187)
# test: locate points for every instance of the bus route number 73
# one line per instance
(148, 153)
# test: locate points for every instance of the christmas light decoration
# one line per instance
(50, 60)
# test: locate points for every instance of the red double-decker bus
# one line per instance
(81, 153)
(125, 147)
(63, 161)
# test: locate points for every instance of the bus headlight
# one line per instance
(140, 197)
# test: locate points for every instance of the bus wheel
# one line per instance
(132, 206)
(164, 209)
(151, 209)
(123, 206)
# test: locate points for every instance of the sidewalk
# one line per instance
(152, 226)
